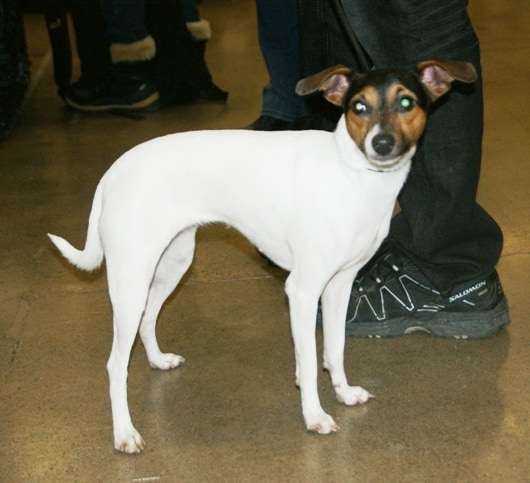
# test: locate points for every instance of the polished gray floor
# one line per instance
(445, 410)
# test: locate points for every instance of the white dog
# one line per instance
(316, 203)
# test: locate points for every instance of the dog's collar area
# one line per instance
(393, 169)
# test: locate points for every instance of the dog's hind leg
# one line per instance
(139, 282)
(335, 300)
(172, 266)
(128, 288)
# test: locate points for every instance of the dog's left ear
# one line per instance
(333, 82)
(437, 75)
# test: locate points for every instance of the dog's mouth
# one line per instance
(390, 164)
(391, 161)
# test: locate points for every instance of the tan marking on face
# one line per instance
(407, 126)
(359, 125)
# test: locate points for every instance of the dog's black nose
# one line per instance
(383, 144)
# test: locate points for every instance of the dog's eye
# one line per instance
(406, 103)
(359, 107)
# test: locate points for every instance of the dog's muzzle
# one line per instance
(383, 144)
(386, 155)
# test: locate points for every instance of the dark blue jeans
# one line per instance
(440, 226)
(124, 20)
(280, 45)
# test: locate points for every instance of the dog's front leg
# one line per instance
(303, 303)
(335, 300)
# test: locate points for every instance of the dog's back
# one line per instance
(254, 181)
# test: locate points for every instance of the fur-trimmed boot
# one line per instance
(130, 87)
(200, 33)
(180, 71)
(200, 30)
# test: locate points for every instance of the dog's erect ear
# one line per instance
(437, 75)
(333, 82)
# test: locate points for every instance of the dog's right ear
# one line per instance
(333, 82)
(438, 75)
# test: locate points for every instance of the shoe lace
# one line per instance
(381, 270)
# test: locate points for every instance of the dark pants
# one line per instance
(440, 226)
(279, 42)
(125, 20)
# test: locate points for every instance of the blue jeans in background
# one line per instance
(124, 20)
(279, 41)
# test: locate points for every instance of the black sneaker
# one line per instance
(126, 91)
(393, 298)
(83, 92)
(322, 121)
(268, 123)
(213, 93)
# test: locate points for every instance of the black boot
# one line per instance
(200, 33)
(93, 51)
(129, 88)
(208, 90)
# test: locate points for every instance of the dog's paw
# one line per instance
(352, 395)
(166, 361)
(130, 442)
(321, 423)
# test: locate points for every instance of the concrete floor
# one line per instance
(445, 410)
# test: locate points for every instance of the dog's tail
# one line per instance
(91, 256)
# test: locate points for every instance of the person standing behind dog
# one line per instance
(279, 41)
(132, 50)
(436, 270)
(146, 71)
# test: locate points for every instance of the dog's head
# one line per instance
(386, 109)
